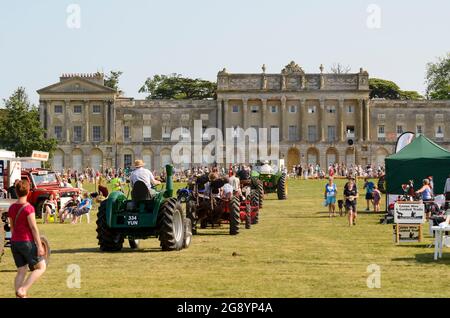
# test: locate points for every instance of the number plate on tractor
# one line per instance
(132, 220)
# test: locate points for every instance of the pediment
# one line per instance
(75, 85)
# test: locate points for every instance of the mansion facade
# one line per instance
(322, 118)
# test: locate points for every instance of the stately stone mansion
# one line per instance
(322, 118)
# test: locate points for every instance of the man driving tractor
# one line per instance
(144, 175)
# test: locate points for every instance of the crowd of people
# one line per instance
(315, 171)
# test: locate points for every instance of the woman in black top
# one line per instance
(350, 194)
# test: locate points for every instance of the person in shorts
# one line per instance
(26, 245)
(369, 186)
(330, 196)
(351, 194)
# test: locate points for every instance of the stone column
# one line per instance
(112, 121)
(284, 124)
(302, 123)
(105, 121)
(321, 123)
(341, 129)
(219, 115)
(367, 120)
(86, 120)
(245, 113)
(360, 120)
(67, 120)
(264, 113)
(225, 114)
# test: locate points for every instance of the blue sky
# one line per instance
(199, 37)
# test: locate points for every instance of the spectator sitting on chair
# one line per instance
(69, 208)
(83, 208)
(49, 207)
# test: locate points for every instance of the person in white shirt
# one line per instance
(266, 168)
(447, 191)
(144, 175)
(235, 182)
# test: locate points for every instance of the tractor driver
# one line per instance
(144, 175)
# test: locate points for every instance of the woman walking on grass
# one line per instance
(330, 197)
(350, 195)
(26, 245)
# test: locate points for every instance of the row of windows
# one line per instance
(293, 109)
(78, 109)
(439, 131)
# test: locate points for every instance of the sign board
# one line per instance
(6, 155)
(409, 213)
(15, 172)
(407, 233)
(40, 155)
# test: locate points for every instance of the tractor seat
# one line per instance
(140, 192)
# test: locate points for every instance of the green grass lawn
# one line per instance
(295, 251)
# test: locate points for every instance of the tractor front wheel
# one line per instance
(108, 240)
(282, 188)
(171, 225)
(235, 216)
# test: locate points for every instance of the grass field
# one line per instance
(295, 251)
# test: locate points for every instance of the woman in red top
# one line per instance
(26, 243)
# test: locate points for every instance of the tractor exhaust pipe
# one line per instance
(169, 182)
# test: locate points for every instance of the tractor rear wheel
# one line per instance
(108, 239)
(254, 199)
(282, 188)
(134, 244)
(260, 189)
(187, 233)
(171, 225)
(235, 216)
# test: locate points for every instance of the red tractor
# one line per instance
(210, 208)
(44, 183)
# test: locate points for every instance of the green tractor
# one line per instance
(271, 183)
(144, 216)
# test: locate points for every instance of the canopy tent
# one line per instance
(418, 160)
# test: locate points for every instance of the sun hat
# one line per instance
(139, 163)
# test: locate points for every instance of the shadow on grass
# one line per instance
(206, 233)
(425, 258)
(8, 271)
(98, 251)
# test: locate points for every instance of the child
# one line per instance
(49, 208)
(376, 199)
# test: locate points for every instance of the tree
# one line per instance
(410, 95)
(381, 88)
(438, 78)
(20, 129)
(175, 86)
(112, 80)
(338, 68)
